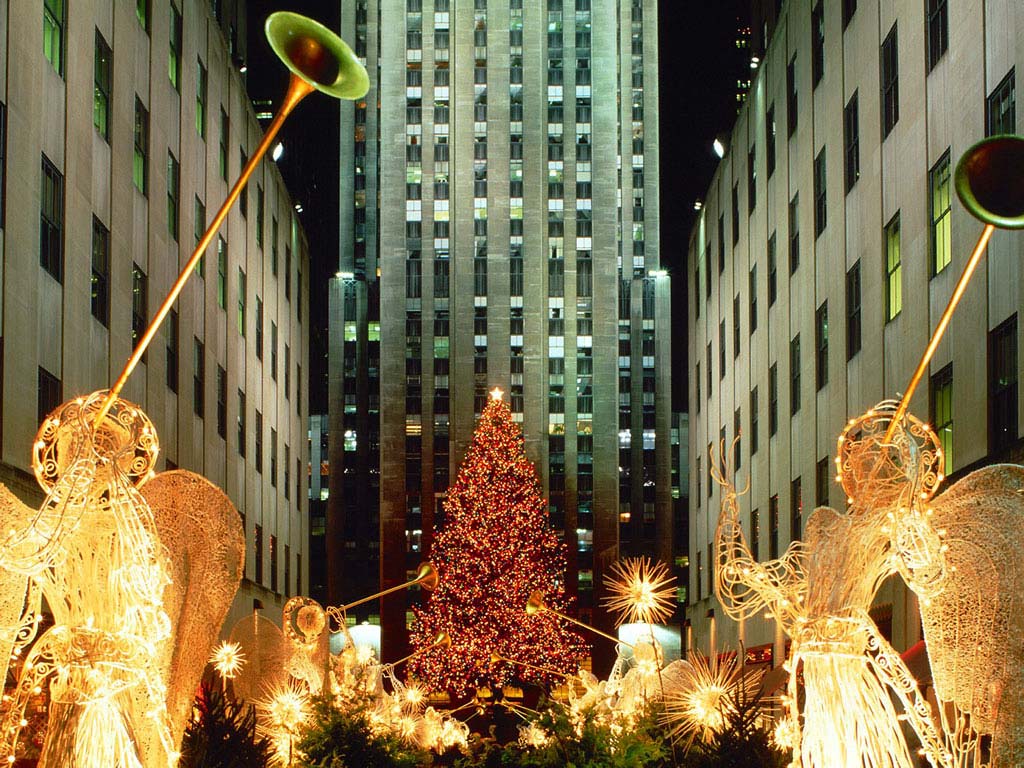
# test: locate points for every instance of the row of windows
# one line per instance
(1002, 402)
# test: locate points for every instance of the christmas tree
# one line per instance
(496, 548)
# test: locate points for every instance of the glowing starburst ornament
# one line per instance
(702, 707)
(227, 659)
(281, 715)
(640, 591)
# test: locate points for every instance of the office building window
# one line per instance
(222, 147)
(142, 13)
(791, 98)
(1000, 108)
(893, 269)
(198, 230)
(273, 350)
(721, 249)
(853, 310)
(259, 216)
(287, 570)
(796, 509)
(820, 200)
(259, 328)
(49, 395)
(773, 271)
(753, 421)
(822, 479)
(773, 527)
(287, 371)
(735, 214)
(102, 83)
(258, 443)
(710, 369)
(174, 49)
(769, 129)
(939, 189)
(752, 292)
(821, 345)
(51, 221)
(751, 180)
(721, 350)
(53, 34)
(201, 99)
(737, 430)
(286, 480)
(818, 49)
(257, 547)
(241, 423)
(198, 377)
(940, 413)
(794, 231)
(140, 161)
(241, 302)
(890, 79)
(755, 534)
(736, 326)
(222, 402)
(1002, 386)
(851, 143)
(849, 8)
(938, 31)
(173, 190)
(100, 283)
(273, 457)
(172, 351)
(794, 374)
(243, 197)
(773, 399)
(140, 303)
(222, 273)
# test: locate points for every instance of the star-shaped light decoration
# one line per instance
(640, 591)
(227, 659)
(496, 393)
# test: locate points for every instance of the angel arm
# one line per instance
(745, 586)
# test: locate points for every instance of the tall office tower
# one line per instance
(499, 228)
(123, 127)
(828, 246)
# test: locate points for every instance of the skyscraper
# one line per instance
(499, 227)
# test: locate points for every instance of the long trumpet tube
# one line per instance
(579, 623)
(298, 89)
(547, 670)
(940, 329)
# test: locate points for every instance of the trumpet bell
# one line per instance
(990, 181)
(427, 577)
(314, 53)
(535, 603)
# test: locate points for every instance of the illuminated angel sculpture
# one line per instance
(137, 598)
(956, 553)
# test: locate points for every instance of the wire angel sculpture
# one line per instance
(956, 552)
(137, 597)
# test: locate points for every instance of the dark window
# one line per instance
(287, 570)
(257, 546)
(735, 214)
(222, 402)
(940, 193)
(201, 87)
(737, 452)
(755, 534)
(940, 414)
(938, 31)
(258, 442)
(102, 80)
(849, 8)
(851, 143)
(273, 458)
(794, 374)
(51, 221)
(173, 189)
(710, 369)
(1002, 386)
(773, 399)
(140, 161)
(794, 232)
(890, 78)
(242, 291)
(773, 527)
(259, 216)
(893, 269)
(100, 287)
(50, 394)
(792, 103)
(1000, 111)
(142, 13)
(222, 148)
(818, 49)
(172, 351)
(140, 303)
(822, 480)
(821, 345)
(53, 33)
(241, 423)
(721, 349)
(773, 271)
(198, 377)
(721, 249)
(736, 326)
(751, 180)
(259, 328)
(273, 350)
(752, 291)
(853, 311)
(769, 130)
(820, 198)
(753, 421)
(796, 509)
(174, 50)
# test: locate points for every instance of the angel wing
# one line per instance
(202, 532)
(974, 627)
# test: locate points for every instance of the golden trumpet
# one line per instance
(427, 577)
(535, 604)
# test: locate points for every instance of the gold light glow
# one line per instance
(640, 591)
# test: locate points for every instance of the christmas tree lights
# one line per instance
(495, 549)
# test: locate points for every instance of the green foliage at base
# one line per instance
(222, 734)
(336, 739)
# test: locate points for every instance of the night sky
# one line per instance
(698, 74)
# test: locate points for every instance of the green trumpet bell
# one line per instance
(317, 55)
